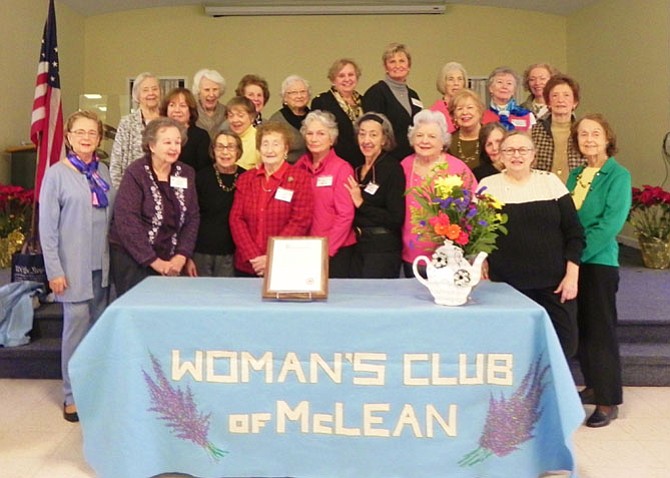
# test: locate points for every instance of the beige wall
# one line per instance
(20, 36)
(181, 40)
(621, 57)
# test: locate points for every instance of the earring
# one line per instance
(285, 156)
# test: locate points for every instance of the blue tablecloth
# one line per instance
(201, 376)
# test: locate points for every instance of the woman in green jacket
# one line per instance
(601, 190)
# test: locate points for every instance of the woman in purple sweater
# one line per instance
(156, 216)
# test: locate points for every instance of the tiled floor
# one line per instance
(35, 441)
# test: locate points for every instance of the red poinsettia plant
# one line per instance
(16, 205)
(650, 212)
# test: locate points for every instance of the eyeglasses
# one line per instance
(80, 133)
(523, 151)
(297, 93)
(225, 147)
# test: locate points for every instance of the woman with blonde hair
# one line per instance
(466, 109)
(345, 103)
(393, 98)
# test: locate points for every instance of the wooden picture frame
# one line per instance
(297, 268)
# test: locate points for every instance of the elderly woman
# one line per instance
(534, 80)
(490, 137)
(273, 199)
(333, 212)
(295, 95)
(128, 140)
(393, 98)
(601, 190)
(556, 152)
(466, 109)
(216, 185)
(503, 108)
(156, 218)
(75, 209)
(540, 255)
(451, 79)
(377, 190)
(345, 103)
(256, 89)
(241, 115)
(429, 138)
(180, 105)
(209, 86)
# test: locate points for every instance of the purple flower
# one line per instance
(178, 409)
(510, 422)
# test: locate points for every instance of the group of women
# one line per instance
(196, 188)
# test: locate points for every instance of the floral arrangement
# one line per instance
(15, 208)
(449, 210)
(650, 213)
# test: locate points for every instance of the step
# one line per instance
(38, 359)
(643, 365)
(48, 321)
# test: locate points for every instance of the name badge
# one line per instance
(284, 195)
(417, 103)
(323, 181)
(371, 188)
(179, 182)
(519, 123)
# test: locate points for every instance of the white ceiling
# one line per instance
(98, 7)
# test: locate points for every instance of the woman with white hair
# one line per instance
(209, 86)
(333, 213)
(451, 79)
(295, 95)
(502, 83)
(128, 140)
(430, 140)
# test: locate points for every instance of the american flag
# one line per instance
(46, 129)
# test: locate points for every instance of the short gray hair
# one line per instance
(502, 70)
(211, 75)
(289, 80)
(150, 133)
(139, 79)
(326, 118)
(424, 117)
(451, 66)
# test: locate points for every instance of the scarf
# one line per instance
(352, 111)
(293, 119)
(504, 113)
(98, 185)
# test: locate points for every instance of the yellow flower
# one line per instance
(444, 185)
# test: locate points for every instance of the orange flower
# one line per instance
(453, 231)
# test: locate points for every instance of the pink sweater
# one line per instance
(333, 208)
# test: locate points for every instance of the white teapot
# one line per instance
(450, 276)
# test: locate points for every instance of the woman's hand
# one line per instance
(58, 285)
(355, 190)
(161, 266)
(191, 270)
(259, 263)
(177, 263)
(568, 286)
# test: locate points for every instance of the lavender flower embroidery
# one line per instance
(178, 409)
(510, 422)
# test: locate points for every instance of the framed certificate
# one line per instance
(297, 268)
